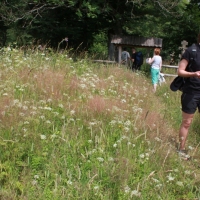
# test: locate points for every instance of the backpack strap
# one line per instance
(194, 54)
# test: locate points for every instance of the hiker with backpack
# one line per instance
(190, 98)
(137, 59)
(156, 65)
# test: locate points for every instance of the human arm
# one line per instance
(133, 57)
(161, 64)
(151, 60)
(182, 70)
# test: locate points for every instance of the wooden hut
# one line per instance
(131, 41)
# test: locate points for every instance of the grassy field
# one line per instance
(74, 129)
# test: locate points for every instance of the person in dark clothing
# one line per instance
(137, 59)
(190, 99)
(133, 58)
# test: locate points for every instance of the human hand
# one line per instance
(197, 74)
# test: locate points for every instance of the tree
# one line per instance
(52, 20)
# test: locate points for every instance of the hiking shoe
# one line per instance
(183, 154)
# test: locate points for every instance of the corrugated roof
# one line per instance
(137, 41)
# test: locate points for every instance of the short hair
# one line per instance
(157, 51)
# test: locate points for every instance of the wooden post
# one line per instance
(119, 53)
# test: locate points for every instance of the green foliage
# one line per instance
(99, 47)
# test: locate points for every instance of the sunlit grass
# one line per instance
(82, 130)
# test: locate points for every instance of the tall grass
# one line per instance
(82, 130)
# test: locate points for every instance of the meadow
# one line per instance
(74, 129)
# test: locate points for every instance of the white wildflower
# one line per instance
(96, 187)
(135, 193)
(187, 172)
(179, 183)
(158, 139)
(142, 155)
(72, 112)
(100, 159)
(43, 137)
(110, 159)
(190, 147)
(127, 189)
(36, 176)
(69, 182)
(123, 101)
(115, 145)
(170, 177)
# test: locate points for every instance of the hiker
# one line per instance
(190, 99)
(137, 59)
(156, 66)
(125, 57)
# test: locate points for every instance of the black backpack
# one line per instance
(138, 58)
(178, 82)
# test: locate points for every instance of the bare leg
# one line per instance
(154, 87)
(183, 132)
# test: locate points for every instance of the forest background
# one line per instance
(89, 25)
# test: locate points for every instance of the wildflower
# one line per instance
(158, 139)
(190, 147)
(72, 112)
(96, 187)
(159, 185)
(170, 177)
(127, 123)
(42, 117)
(135, 193)
(24, 129)
(43, 137)
(142, 155)
(123, 101)
(127, 189)
(25, 108)
(187, 172)
(56, 113)
(111, 159)
(69, 182)
(21, 114)
(100, 159)
(155, 180)
(179, 183)
(115, 145)
(61, 105)
(34, 182)
(36, 176)
(82, 86)
(92, 123)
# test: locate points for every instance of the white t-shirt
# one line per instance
(156, 63)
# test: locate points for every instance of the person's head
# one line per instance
(157, 51)
(133, 50)
(125, 49)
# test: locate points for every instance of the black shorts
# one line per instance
(190, 103)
